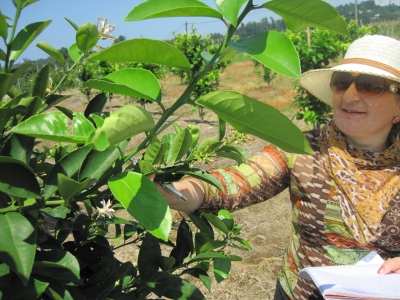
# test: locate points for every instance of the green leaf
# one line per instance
(235, 258)
(174, 287)
(3, 55)
(125, 122)
(19, 147)
(202, 175)
(200, 274)
(7, 113)
(76, 27)
(81, 126)
(202, 224)
(103, 269)
(98, 162)
(239, 150)
(242, 241)
(74, 52)
(32, 290)
(209, 146)
(145, 167)
(211, 245)
(25, 37)
(59, 261)
(222, 266)
(217, 222)
(32, 105)
(206, 256)
(227, 218)
(96, 105)
(118, 235)
(180, 145)
(53, 100)
(5, 276)
(177, 8)
(166, 263)
(18, 179)
(68, 165)
(24, 3)
(57, 289)
(19, 250)
(137, 83)
(144, 51)
(272, 49)
(68, 187)
(227, 55)
(200, 240)
(251, 116)
(3, 27)
(121, 276)
(221, 129)
(311, 13)
(5, 79)
(87, 37)
(139, 196)
(40, 82)
(18, 73)
(149, 254)
(230, 9)
(155, 153)
(195, 133)
(177, 128)
(59, 212)
(233, 152)
(99, 121)
(66, 111)
(53, 52)
(184, 244)
(53, 126)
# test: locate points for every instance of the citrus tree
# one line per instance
(93, 174)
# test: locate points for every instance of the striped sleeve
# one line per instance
(262, 177)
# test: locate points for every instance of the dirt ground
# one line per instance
(266, 226)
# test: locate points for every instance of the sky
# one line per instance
(61, 34)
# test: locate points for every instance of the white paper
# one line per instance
(355, 280)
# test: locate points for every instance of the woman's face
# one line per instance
(365, 121)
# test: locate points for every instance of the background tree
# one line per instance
(193, 45)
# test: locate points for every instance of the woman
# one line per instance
(345, 196)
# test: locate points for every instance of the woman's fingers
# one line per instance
(151, 176)
(389, 266)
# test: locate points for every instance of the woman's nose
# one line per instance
(351, 94)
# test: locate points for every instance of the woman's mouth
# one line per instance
(351, 112)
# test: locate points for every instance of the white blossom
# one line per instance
(106, 211)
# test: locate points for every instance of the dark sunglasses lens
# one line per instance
(340, 82)
(370, 86)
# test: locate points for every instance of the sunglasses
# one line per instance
(366, 85)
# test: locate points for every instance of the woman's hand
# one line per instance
(191, 188)
(391, 265)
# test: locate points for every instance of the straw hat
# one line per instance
(372, 54)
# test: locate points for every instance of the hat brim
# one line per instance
(317, 82)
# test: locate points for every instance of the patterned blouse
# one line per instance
(319, 235)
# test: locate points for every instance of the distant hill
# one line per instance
(369, 12)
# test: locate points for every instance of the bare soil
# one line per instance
(266, 226)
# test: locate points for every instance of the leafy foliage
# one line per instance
(193, 45)
(55, 214)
